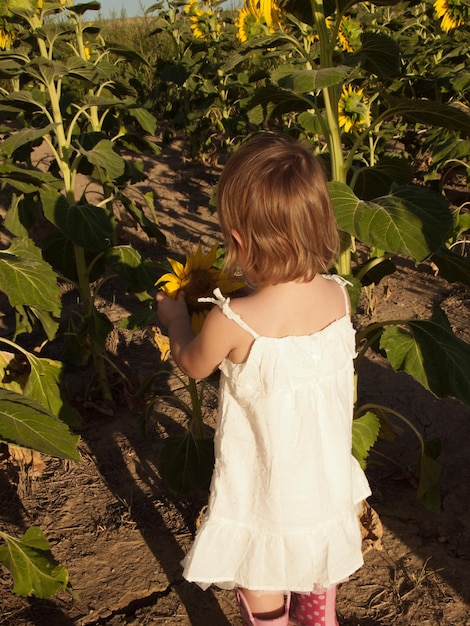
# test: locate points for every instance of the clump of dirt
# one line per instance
(122, 535)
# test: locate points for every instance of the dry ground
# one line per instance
(120, 533)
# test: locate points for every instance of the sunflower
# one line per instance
(197, 278)
(349, 34)
(203, 24)
(353, 109)
(451, 12)
(255, 17)
(6, 40)
(162, 341)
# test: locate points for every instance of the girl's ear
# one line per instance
(236, 235)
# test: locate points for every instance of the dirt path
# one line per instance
(111, 521)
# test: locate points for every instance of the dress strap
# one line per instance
(342, 282)
(224, 305)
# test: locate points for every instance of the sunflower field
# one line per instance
(380, 90)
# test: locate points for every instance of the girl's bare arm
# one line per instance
(197, 356)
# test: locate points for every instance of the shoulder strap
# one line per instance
(342, 282)
(224, 305)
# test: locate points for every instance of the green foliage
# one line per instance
(69, 92)
(35, 571)
(28, 423)
(364, 434)
(186, 463)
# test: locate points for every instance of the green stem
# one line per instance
(196, 405)
(333, 135)
(387, 409)
(87, 303)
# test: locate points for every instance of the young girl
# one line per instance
(282, 517)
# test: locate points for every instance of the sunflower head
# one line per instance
(453, 13)
(349, 34)
(197, 277)
(256, 17)
(353, 109)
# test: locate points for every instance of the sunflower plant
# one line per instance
(186, 462)
(63, 90)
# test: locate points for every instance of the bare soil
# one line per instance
(122, 535)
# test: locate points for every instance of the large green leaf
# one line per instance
(429, 351)
(379, 55)
(128, 265)
(186, 463)
(43, 385)
(104, 157)
(20, 216)
(90, 227)
(23, 137)
(26, 181)
(83, 7)
(306, 81)
(365, 430)
(429, 112)
(275, 101)
(150, 227)
(145, 119)
(27, 279)
(453, 267)
(411, 221)
(35, 571)
(28, 423)
(375, 181)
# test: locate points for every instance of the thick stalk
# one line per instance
(196, 421)
(87, 303)
(331, 97)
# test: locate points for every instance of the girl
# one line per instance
(282, 514)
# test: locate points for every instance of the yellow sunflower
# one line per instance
(451, 12)
(255, 17)
(353, 109)
(203, 19)
(349, 34)
(6, 40)
(197, 278)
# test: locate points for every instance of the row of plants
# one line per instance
(355, 80)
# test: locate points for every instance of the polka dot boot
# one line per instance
(315, 609)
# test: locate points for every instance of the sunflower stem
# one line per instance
(196, 425)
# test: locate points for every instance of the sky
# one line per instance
(131, 7)
(110, 8)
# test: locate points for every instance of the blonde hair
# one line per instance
(273, 192)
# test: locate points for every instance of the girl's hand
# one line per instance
(169, 309)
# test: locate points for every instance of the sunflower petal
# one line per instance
(197, 321)
(163, 343)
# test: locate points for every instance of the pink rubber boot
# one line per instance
(249, 620)
(315, 609)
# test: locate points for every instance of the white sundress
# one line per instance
(282, 511)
